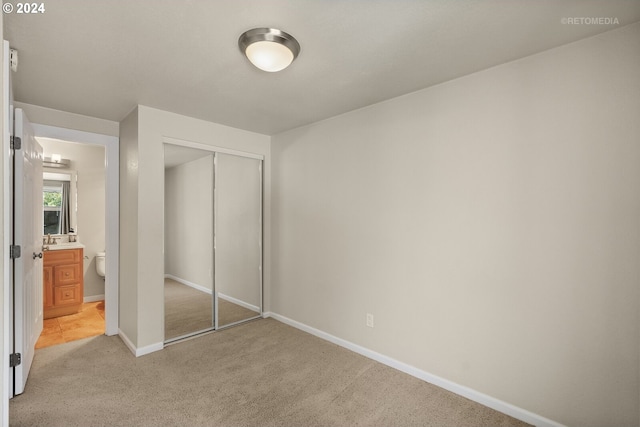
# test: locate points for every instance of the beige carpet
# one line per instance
(261, 373)
(188, 310)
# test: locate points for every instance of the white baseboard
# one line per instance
(239, 302)
(188, 283)
(94, 298)
(142, 350)
(476, 396)
(125, 339)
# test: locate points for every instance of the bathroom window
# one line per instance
(52, 201)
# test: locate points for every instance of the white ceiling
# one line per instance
(102, 57)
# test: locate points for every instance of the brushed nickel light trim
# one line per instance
(269, 35)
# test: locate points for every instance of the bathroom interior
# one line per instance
(73, 241)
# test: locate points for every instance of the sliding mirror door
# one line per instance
(212, 240)
(188, 241)
(238, 242)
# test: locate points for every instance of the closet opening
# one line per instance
(212, 239)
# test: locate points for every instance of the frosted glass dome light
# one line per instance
(269, 56)
(269, 49)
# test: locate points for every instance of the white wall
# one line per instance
(188, 249)
(489, 223)
(89, 162)
(143, 155)
(128, 296)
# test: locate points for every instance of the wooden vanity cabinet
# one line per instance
(63, 282)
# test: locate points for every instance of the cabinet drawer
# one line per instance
(66, 256)
(67, 274)
(65, 295)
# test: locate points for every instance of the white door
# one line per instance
(6, 237)
(27, 269)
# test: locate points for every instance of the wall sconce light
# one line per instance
(269, 49)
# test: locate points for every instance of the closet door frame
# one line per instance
(222, 150)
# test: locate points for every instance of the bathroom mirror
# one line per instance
(60, 201)
(212, 240)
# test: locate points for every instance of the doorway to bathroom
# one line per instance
(74, 212)
(92, 163)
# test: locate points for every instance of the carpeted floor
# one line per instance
(188, 310)
(261, 373)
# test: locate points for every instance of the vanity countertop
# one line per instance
(61, 246)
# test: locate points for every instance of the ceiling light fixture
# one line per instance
(56, 161)
(269, 49)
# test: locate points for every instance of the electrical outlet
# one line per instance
(370, 320)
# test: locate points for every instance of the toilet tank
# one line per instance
(100, 266)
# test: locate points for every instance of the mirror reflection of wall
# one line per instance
(238, 228)
(188, 241)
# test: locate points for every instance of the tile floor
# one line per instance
(88, 322)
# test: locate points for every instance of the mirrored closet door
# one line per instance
(188, 241)
(212, 240)
(238, 243)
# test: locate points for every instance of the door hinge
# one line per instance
(14, 251)
(16, 143)
(15, 359)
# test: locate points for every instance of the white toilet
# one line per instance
(100, 263)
